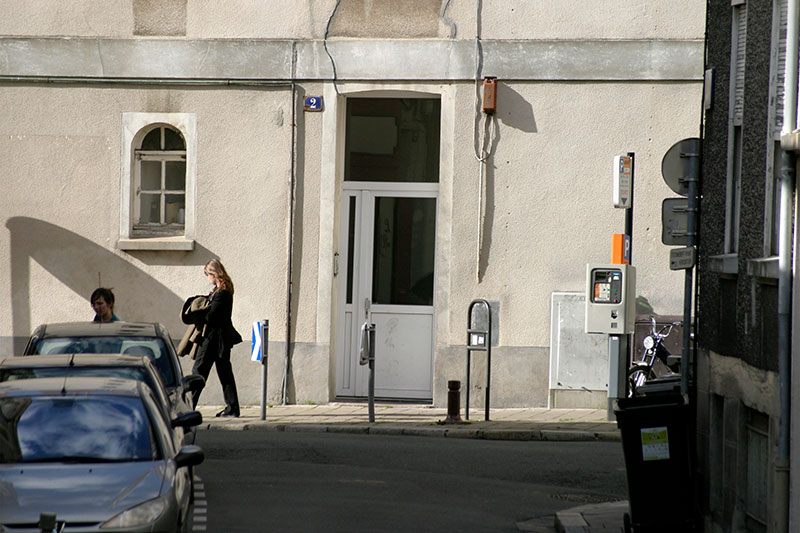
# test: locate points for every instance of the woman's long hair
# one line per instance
(215, 267)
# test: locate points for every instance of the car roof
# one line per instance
(98, 329)
(80, 359)
(71, 386)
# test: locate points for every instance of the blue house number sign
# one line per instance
(313, 103)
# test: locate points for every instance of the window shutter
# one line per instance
(740, 13)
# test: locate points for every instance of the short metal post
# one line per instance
(371, 391)
(264, 351)
(617, 371)
(453, 402)
(466, 405)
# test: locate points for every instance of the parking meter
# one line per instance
(610, 299)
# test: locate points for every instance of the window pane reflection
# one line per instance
(109, 428)
(403, 251)
(175, 203)
(151, 175)
(172, 140)
(156, 350)
(392, 139)
(149, 211)
(176, 175)
(153, 140)
(351, 243)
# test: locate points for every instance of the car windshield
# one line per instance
(75, 429)
(153, 347)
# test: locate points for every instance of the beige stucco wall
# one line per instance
(63, 199)
(303, 19)
(547, 183)
(550, 188)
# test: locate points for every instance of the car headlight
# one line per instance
(144, 513)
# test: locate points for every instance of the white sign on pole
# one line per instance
(622, 181)
(255, 354)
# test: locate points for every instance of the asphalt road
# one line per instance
(284, 481)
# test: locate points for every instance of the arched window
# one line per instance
(160, 181)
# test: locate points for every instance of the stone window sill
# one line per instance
(180, 244)
(724, 264)
(766, 268)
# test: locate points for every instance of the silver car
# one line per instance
(135, 338)
(95, 452)
(138, 367)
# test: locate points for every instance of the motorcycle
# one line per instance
(656, 362)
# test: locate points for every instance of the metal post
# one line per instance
(628, 337)
(371, 391)
(686, 357)
(629, 213)
(264, 352)
(453, 402)
(488, 357)
(617, 371)
(466, 405)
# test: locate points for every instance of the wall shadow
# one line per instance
(82, 265)
(492, 132)
(513, 110)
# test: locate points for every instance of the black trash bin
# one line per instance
(656, 445)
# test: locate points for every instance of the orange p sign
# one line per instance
(620, 249)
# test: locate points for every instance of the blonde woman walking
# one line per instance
(219, 337)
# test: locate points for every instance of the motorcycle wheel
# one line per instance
(637, 375)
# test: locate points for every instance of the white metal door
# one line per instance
(387, 277)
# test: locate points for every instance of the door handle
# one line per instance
(367, 308)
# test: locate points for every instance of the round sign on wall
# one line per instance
(675, 165)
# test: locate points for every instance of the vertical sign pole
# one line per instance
(625, 355)
(264, 351)
(371, 390)
(629, 214)
(694, 172)
(488, 356)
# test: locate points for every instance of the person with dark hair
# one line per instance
(218, 335)
(102, 301)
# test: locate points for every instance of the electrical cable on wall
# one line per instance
(325, 42)
(483, 149)
(449, 23)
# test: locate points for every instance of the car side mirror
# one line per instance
(193, 383)
(189, 455)
(190, 419)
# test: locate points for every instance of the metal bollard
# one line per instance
(453, 402)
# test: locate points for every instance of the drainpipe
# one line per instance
(290, 238)
(785, 274)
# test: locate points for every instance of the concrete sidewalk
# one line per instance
(422, 420)
(526, 424)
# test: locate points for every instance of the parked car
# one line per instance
(96, 452)
(138, 367)
(137, 338)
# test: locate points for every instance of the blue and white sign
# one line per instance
(255, 354)
(312, 103)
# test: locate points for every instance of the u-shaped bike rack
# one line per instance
(481, 341)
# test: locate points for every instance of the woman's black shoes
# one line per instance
(226, 413)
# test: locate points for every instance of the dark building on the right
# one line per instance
(745, 328)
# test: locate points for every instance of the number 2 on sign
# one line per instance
(313, 103)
